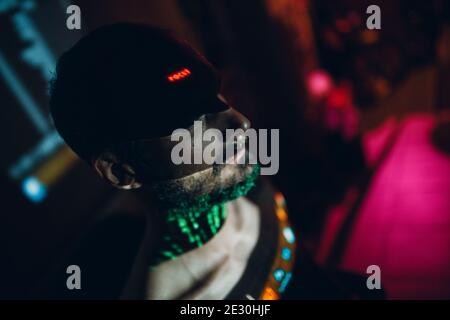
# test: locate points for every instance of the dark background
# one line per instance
(266, 51)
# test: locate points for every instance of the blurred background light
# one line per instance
(34, 189)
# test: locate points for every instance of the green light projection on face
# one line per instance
(191, 227)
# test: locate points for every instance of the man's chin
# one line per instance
(231, 182)
(235, 184)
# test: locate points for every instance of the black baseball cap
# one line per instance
(128, 81)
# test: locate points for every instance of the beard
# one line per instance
(202, 190)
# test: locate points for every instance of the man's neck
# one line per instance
(168, 236)
(185, 230)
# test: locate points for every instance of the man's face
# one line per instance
(197, 186)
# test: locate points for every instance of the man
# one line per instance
(118, 95)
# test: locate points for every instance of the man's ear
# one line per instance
(118, 174)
